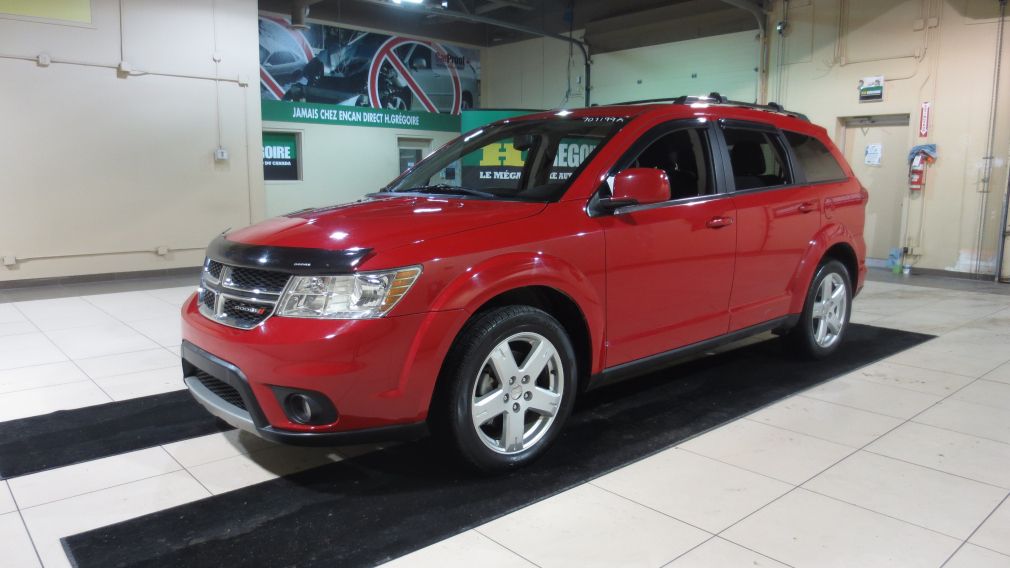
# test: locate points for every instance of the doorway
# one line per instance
(411, 150)
(877, 149)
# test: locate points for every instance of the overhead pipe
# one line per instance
(754, 8)
(1003, 233)
(761, 15)
(479, 19)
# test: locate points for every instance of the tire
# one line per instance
(822, 325)
(523, 410)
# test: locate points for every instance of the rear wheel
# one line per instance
(826, 311)
(508, 388)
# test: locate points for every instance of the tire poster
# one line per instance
(339, 66)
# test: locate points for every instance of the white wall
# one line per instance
(532, 74)
(340, 164)
(725, 63)
(933, 50)
(99, 168)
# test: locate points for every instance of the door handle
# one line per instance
(719, 222)
(808, 206)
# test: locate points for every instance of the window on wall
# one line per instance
(816, 160)
(757, 157)
(280, 156)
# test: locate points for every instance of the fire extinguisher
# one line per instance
(918, 159)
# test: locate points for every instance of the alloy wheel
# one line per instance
(828, 314)
(517, 393)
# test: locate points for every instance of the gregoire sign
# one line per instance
(280, 156)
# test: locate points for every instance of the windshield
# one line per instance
(528, 160)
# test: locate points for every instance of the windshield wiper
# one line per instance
(446, 188)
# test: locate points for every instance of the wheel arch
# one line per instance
(563, 308)
(834, 241)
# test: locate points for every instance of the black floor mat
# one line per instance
(67, 437)
(366, 510)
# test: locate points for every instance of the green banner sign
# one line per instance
(280, 156)
(288, 111)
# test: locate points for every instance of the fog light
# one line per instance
(306, 407)
(301, 408)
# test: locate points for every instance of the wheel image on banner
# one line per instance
(384, 91)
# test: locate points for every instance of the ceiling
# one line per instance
(609, 25)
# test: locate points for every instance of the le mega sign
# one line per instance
(280, 156)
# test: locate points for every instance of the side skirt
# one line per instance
(659, 361)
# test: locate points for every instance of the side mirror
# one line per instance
(637, 186)
(418, 63)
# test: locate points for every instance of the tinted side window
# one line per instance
(683, 155)
(816, 160)
(757, 158)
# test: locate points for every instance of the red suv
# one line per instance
(522, 263)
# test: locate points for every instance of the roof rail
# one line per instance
(716, 98)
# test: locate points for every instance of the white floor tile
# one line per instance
(44, 400)
(100, 340)
(825, 420)
(6, 499)
(1000, 374)
(938, 501)
(787, 456)
(213, 447)
(175, 296)
(995, 531)
(28, 349)
(806, 529)
(972, 353)
(462, 551)
(63, 313)
(24, 378)
(873, 397)
(60, 483)
(48, 523)
(971, 556)
(969, 418)
(123, 363)
(720, 553)
(589, 527)
(10, 314)
(144, 383)
(913, 378)
(927, 320)
(16, 548)
(719, 494)
(132, 306)
(176, 350)
(166, 331)
(243, 470)
(17, 328)
(865, 317)
(987, 393)
(960, 454)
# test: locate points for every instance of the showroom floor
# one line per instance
(905, 462)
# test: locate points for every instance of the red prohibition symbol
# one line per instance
(386, 54)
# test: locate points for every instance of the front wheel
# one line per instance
(826, 311)
(508, 387)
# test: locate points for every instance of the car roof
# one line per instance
(712, 110)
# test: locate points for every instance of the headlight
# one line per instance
(354, 296)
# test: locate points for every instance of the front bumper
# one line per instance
(199, 364)
(379, 374)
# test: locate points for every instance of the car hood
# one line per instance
(382, 223)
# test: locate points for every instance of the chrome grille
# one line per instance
(239, 297)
